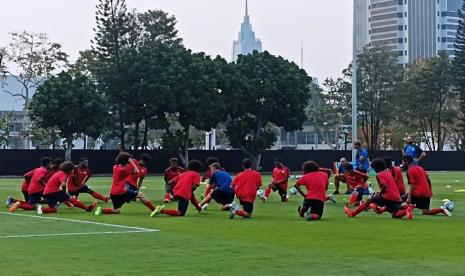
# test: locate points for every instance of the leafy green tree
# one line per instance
(157, 25)
(431, 99)
(459, 65)
(273, 92)
(6, 120)
(378, 80)
(70, 103)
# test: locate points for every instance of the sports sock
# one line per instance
(315, 216)
(99, 196)
(435, 211)
(353, 198)
(48, 210)
(25, 206)
(173, 213)
(109, 211)
(267, 192)
(149, 205)
(67, 203)
(242, 213)
(78, 203)
(359, 209)
(400, 214)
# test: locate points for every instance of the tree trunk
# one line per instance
(256, 161)
(69, 147)
(185, 155)
(121, 129)
(145, 142)
(136, 136)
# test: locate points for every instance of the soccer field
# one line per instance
(276, 241)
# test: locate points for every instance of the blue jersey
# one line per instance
(365, 164)
(341, 169)
(413, 150)
(222, 180)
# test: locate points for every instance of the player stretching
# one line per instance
(222, 191)
(388, 198)
(55, 191)
(185, 185)
(208, 173)
(136, 178)
(397, 174)
(36, 187)
(170, 173)
(279, 182)
(24, 186)
(420, 188)
(339, 176)
(119, 193)
(77, 183)
(245, 186)
(316, 182)
(357, 181)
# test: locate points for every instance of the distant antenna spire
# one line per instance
(302, 54)
(246, 7)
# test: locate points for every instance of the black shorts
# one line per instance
(223, 197)
(392, 206)
(83, 189)
(247, 207)
(361, 192)
(26, 196)
(35, 198)
(119, 200)
(280, 188)
(182, 204)
(54, 199)
(422, 203)
(315, 206)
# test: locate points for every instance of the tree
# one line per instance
(459, 65)
(271, 92)
(379, 75)
(32, 58)
(157, 25)
(6, 120)
(431, 99)
(71, 103)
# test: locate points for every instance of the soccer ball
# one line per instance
(292, 191)
(449, 205)
(260, 193)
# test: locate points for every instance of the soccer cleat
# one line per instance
(348, 212)
(98, 211)
(91, 207)
(157, 210)
(409, 212)
(263, 198)
(14, 206)
(346, 202)
(233, 211)
(9, 201)
(445, 211)
(39, 210)
(309, 216)
(204, 207)
(332, 198)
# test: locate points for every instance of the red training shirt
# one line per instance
(185, 184)
(356, 179)
(246, 184)
(316, 184)
(386, 181)
(418, 180)
(281, 175)
(172, 172)
(120, 174)
(397, 174)
(26, 181)
(54, 183)
(34, 184)
(79, 179)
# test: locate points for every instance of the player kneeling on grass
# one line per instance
(388, 199)
(397, 174)
(206, 176)
(119, 193)
(420, 188)
(55, 191)
(77, 183)
(170, 173)
(220, 182)
(357, 181)
(245, 185)
(279, 182)
(316, 182)
(185, 185)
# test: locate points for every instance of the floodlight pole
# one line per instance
(354, 81)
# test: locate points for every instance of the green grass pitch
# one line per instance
(274, 242)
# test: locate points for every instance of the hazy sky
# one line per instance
(210, 26)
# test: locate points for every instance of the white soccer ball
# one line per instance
(260, 193)
(292, 191)
(449, 205)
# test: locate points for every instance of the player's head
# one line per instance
(378, 165)
(410, 140)
(357, 144)
(343, 161)
(46, 162)
(408, 160)
(67, 167)
(278, 162)
(215, 166)
(194, 165)
(310, 166)
(174, 162)
(247, 164)
(84, 162)
(349, 167)
(388, 162)
(144, 159)
(57, 162)
(122, 158)
(211, 160)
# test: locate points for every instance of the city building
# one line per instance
(246, 42)
(360, 25)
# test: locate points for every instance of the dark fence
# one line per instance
(17, 162)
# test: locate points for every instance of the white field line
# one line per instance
(131, 228)
(72, 234)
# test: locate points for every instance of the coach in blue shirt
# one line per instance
(361, 162)
(413, 150)
(222, 191)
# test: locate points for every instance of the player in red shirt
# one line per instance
(420, 188)
(120, 192)
(170, 173)
(388, 199)
(185, 185)
(357, 181)
(36, 187)
(245, 186)
(397, 174)
(135, 179)
(279, 181)
(77, 183)
(27, 178)
(54, 168)
(55, 191)
(316, 182)
(208, 173)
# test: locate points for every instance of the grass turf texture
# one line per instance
(274, 242)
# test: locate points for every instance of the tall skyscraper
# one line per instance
(360, 25)
(246, 42)
(413, 29)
